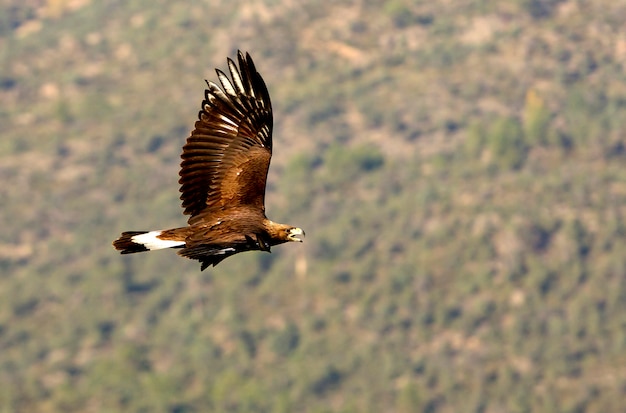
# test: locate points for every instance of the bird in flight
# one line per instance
(223, 175)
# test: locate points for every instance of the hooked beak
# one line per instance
(293, 234)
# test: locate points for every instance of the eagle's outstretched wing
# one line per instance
(226, 158)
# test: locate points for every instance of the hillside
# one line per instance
(458, 168)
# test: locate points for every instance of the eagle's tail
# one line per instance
(137, 241)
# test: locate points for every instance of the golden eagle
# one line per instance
(223, 174)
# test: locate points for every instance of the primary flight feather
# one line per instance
(223, 175)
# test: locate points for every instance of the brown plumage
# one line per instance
(223, 174)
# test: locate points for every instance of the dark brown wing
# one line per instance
(226, 158)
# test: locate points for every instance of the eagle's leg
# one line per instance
(263, 245)
(260, 243)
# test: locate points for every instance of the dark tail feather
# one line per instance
(138, 241)
(126, 245)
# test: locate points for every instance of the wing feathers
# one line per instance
(245, 75)
(234, 74)
(228, 87)
(226, 158)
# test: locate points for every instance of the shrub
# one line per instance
(506, 142)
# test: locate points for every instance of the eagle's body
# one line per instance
(223, 174)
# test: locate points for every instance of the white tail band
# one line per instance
(151, 242)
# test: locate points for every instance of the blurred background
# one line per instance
(458, 167)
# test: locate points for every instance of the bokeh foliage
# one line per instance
(458, 168)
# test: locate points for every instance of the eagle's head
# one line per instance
(280, 233)
(292, 234)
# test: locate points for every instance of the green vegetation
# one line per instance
(458, 168)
